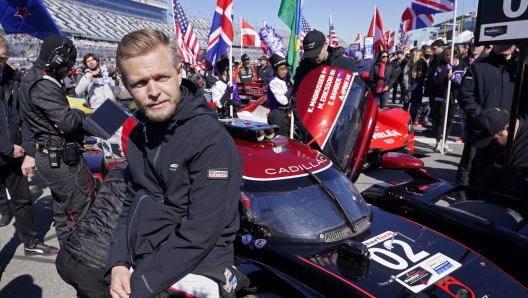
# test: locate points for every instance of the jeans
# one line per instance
(382, 98)
(463, 122)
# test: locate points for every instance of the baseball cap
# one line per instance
(488, 124)
(313, 44)
(263, 57)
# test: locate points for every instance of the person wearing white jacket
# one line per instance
(278, 94)
(100, 88)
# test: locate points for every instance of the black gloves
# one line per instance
(234, 103)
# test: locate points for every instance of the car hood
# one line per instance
(333, 106)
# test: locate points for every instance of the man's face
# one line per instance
(437, 50)
(263, 62)
(3, 58)
(501, 138)
(247, 63)
(154, 83)
(504, 49)
(322, 56)
(400, 56)
(476, 50)
(91, 63)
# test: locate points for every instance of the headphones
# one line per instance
(56, 60)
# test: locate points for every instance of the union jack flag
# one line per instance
(222, 34)
(419, 7)
(419, 22)
(332, 36)
(188, 45)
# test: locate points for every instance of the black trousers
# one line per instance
(86, 280)
(280, 118)
(71, 188)
(395, 90)
(11, 178)
(469, 152)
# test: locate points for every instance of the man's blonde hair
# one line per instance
(141, 42)
(4, 43)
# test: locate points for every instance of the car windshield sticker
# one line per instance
(427, 272)
(416, 269)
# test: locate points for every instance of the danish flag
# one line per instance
(250, 37)
(391, 41)
(376, 30)
(221, 35)
(420, 7)
(358, 41)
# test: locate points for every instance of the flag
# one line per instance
(419, 7)
(305, 28)
(332, 35)
(250, 37)
(290, 12)
(222, 34)
(376, 31)
(27, 16)
(419, 22)
(391, 42)
(405, 44)
(387, 36)
(358, 41)
(187, 42)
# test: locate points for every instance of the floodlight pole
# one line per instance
(519, 78)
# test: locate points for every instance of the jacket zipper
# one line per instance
(128, 236)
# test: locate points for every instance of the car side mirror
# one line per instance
(400, 162)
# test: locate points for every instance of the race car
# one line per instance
(496, 228)
(306, 231)
(394, 129)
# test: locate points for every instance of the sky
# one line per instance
(349, 17)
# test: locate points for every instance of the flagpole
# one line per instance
(444, 137)
(241, 38)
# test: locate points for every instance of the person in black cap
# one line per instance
(317, 52)
(55, 126)
(278, 94)
(265, 71)
(490, 138)
(245, 72)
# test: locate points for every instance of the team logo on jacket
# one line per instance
(217, 173)
(174, 166)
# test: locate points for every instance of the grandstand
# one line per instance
(95, 28)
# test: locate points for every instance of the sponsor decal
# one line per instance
(254, 90)
(338, 235)
(378, 239)
(246, 239)
(259, 243)
(340, 74)
(217, 173)
(386, 134)
(310, 45)
(332, 72)
(495, 31)
(416, 277)
(321, 159)
(439, 265)
(174, 167)
(389, 141)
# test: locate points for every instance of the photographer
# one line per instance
(58, 132)
(100, 88)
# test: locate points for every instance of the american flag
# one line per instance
(305, 28)
(332, 37)
(187, 42)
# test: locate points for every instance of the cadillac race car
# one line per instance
(496, 226)
(394, 129)
(306, 231)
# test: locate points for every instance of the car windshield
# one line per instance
(297, 210)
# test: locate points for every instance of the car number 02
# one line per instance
(401, 262)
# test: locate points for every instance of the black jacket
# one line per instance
(13, 127)
(399, 66)
(265, 73)
(390, 76)
(47, 112)
(364, 65)
(183, 219)
(90, 239)
(334, 59)
(486, 170)
(489, 83)
(430, 86)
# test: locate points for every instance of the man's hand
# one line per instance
(120, 287)
(17, 152)
(28, 166)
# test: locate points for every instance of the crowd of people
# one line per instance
(189, 207)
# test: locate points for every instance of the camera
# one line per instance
(113, 75)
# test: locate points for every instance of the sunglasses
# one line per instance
(384, 56)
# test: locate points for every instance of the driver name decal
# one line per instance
(320, 82)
